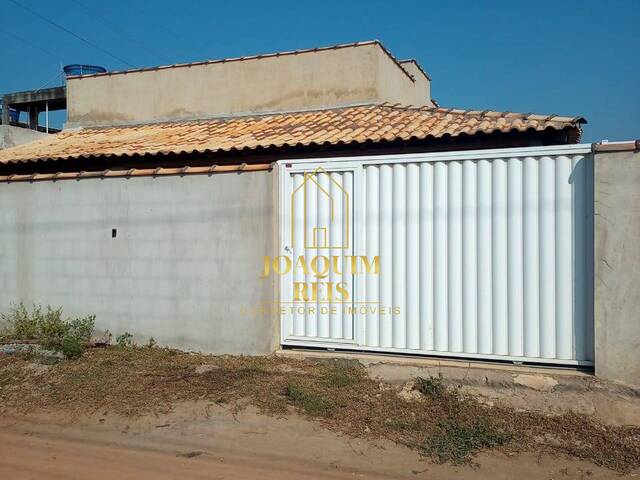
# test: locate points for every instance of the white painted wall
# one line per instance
(186, 257)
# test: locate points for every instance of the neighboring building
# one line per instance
(12, 135)
(13, 132)
(480, 219)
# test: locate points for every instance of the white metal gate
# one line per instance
(484, 254)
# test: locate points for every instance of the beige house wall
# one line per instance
(422, 85)
(308, 80)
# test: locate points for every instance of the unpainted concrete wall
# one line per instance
(11, 136)
(335, 77)
(617, 266)
(186, 258)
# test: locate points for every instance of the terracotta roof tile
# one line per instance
(332, 126)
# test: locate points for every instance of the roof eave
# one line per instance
(426, 138)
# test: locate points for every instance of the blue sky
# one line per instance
(567, 58)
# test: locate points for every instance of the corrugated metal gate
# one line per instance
(480, 254)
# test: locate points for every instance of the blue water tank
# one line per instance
(14, 115)
(77, 69)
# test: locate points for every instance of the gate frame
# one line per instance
(287, 168)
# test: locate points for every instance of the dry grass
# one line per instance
(442, 423)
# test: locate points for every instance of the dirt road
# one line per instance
(199, 441)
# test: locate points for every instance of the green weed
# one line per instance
(311, 402)
(456, 442)
(45, 325)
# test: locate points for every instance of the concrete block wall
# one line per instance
(188, 252)
(171, 257)
(617, 266)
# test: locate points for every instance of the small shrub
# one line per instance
(311, 402)
(431, 387)
(51, 328)
(19, 323)
(124, 340)
(82, 328)
(457, 442)
(151, 343)
(72, 347)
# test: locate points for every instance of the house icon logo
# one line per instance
(329, 212)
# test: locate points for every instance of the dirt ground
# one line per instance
(142, 412)
(202, 440)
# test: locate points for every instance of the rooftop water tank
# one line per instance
(77, 69)
(14, 115)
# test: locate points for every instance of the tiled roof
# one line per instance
(357, 124)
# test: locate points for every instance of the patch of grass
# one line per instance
(254, 365)
(340, 375)
(407, 424)
(456, 442)
(45, 325)
(311, 402)
(580, 436)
